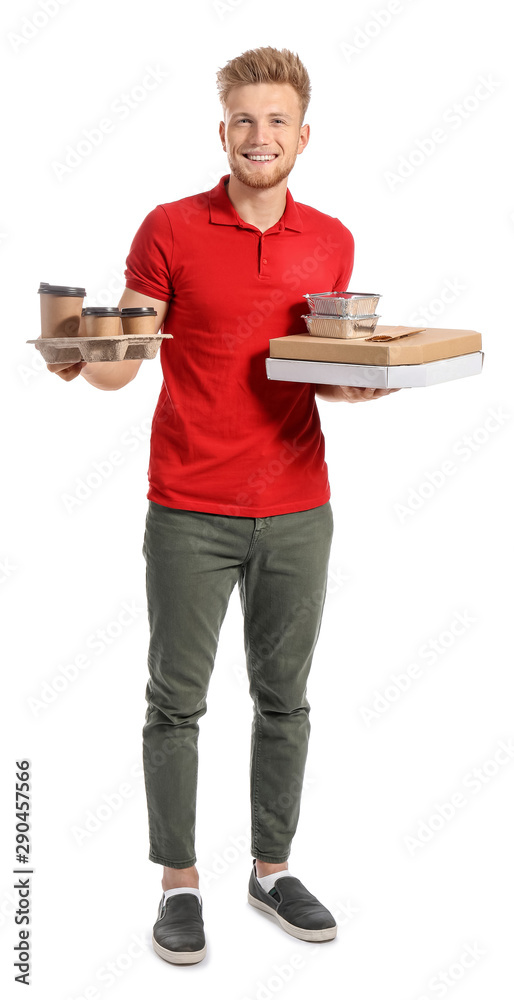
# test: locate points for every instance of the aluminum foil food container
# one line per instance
(342, 327)
(127, 347)
(342, 303)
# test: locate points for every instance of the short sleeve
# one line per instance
(347, 258)
(148, 267)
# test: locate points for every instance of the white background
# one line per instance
(414, 546)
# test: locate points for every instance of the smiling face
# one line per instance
(262, 133)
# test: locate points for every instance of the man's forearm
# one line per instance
(110, 374)
(116, 374)
(332, 393)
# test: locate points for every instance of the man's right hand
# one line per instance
(67, 372)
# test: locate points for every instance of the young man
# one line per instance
(239, 489)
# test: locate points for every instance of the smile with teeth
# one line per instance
(254, 156)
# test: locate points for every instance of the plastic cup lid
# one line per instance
(46, 289)
(139, 311)
(101, 311)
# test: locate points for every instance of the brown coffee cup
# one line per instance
(101, 321)
(61, 308)
(138, 320)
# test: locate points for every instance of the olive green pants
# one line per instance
(193, 561)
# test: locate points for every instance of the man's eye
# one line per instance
(240, 121)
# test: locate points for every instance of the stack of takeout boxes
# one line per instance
(345, 346)
(343, 315)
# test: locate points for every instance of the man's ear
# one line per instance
(304, 136)
(222, 134)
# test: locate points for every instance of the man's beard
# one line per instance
(265, 180)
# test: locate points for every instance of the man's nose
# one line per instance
(260, 134)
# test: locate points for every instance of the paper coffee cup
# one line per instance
(61, 308)
(101, 321)
(138, 320)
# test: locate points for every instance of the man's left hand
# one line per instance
(356, 394)
(350, 393)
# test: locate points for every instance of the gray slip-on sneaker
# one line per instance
(296, 909)
(178, 933)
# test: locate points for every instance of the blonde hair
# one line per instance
(265, 65)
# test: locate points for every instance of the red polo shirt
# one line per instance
(225, 439)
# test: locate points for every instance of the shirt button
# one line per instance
(264, 261)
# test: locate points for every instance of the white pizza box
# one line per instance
(375, 376)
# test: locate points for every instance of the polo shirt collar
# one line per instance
(223, 213)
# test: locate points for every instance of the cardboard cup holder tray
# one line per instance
(126, 347)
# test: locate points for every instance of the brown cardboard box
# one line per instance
(412, 349)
